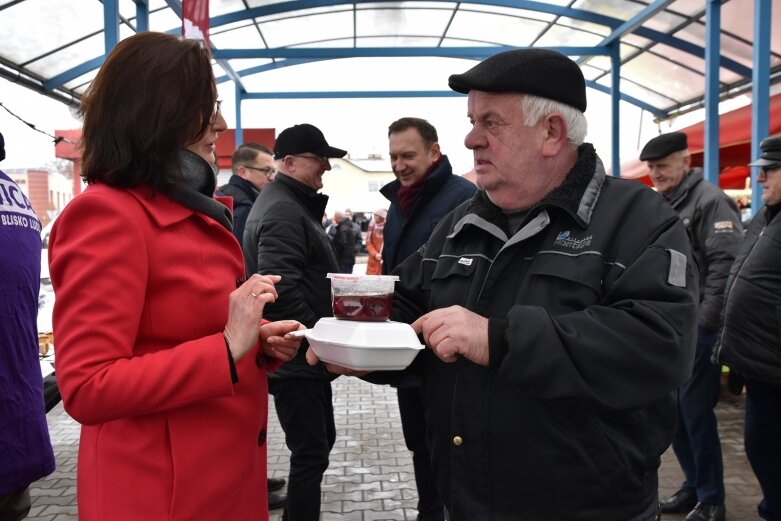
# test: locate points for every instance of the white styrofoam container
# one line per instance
(364, 346)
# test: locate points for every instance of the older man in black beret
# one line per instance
(750, 342)
(713, 223)
(558, 306)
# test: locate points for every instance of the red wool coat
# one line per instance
(142, 287)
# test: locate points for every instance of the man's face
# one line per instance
(770, 179)
(260, 171)
(410, 157)
(507, 153)
(668, 172)
(309, 168)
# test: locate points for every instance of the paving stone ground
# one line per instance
(370, 477)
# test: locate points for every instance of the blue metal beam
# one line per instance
(636, 21)
(542, 7)
(713, 51)
(61, 79)
(239, 129)
(615, 111)
(385, 52)
(110, 24)
(760, 94)
(142, 15)
(354, 94)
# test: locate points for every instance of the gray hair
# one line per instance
(535, 108)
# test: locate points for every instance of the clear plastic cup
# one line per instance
(367, 298)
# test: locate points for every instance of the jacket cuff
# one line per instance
(234, 373)
(497, 341)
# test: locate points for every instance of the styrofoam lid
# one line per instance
(365, 334)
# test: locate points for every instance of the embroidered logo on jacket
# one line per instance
(566, 240)
(722, 227)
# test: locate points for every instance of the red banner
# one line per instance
(195, 19)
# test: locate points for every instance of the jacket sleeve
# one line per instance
(636, 346)
(283, 247)
(100, 272)
(721, 235)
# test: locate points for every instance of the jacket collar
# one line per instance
(245, 186)
(432, 183)
(314, 202)
(680, 192)
(163, 210)
(577, 195)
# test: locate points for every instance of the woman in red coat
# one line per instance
(161, 355)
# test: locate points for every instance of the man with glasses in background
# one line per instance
(284, 236)
(253, 168)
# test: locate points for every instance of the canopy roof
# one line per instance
(56, 46)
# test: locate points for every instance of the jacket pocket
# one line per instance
(575, 279)
(458, 280)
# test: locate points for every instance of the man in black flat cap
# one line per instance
(283, 235)
(713, 223)
(558, 306)
(750, 342)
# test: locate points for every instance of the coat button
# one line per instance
(457, 441)
(262, 437)
(260, 360)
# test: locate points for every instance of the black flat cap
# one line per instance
(304, 138)
(664, 145)
(771, 152)
(541, 72)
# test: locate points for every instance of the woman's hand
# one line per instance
(245, 309)
(276, 343)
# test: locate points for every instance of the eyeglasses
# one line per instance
(322, 160)
(266, 170)
(767, 170)
(217, 110)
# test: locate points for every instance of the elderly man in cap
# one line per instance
(283, 235)
(750, 343)
(713, 223)
(558, 306)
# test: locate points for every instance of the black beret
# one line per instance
(541, 72)
(664, 145)
(771, 152)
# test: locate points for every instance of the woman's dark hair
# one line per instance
(154, 95)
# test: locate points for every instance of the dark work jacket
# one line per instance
(344, 242)
(751, 339)
(592, 323)
(442, 191)
(283, 236)
(713, 222)
(244, 195)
